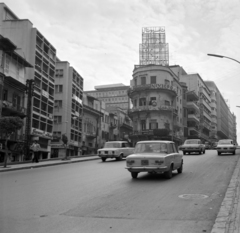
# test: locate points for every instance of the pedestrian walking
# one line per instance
(35, 147)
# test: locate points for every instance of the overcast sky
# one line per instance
(100, 38)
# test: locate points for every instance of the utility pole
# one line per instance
(29, 91)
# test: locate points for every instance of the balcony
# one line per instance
(205, 93)
(126, 126)
(142, 132)
(152, 87)
(193, 117)
(112, 125)
(13, 110)
(152, 108)
(192, 105)
(193, 131)
(90, 135)
(205, 114)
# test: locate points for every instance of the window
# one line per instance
(16, 100)
(152, 99)
(58, 88)
(58, 104)
(143, 124)
(142, 102)
(135, 103)
(153, 125)
(5, 94)
(57, 119)
(143, 80)
(153, 79)
(167, 103)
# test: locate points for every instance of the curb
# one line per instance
(48, 165)
(228, 218)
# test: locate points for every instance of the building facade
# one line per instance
(91, 124)
(157, 112)
(223, 121)
(114, 95)
(39, 52)
(12, 96)
(68, 110)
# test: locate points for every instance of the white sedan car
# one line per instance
(226, 146)
(155, 157)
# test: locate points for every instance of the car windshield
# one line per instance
(224, 142)
(151, 148)
(112, 145)
(191, 142)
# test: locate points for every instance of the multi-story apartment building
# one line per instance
(91, 123)
(114, 95)
(223, 121)
(120, 122)
(68, 110)
(157, 112)
(199, 109)
(42, 55)
(12, 95)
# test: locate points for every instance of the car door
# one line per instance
(178, 156)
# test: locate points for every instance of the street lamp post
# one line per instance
(220, 56)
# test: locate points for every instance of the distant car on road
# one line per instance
(193, 145)
(155, 157)
(115, 149)
(226, 146)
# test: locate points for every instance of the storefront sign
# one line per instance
(41, 133)
(155, 86)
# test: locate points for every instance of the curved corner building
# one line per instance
(156, 95)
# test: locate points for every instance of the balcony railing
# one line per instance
(11, 106)
(153, 87)
(193, 117)
(153, 108)
(112, 125)
(192, 105)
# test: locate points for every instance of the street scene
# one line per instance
(109, 200)
(119, 116)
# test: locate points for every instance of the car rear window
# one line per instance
(225, 142)
(151, 148)
(112, 145)
(192, 142)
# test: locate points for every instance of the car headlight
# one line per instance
(130, 162)
(158, 162)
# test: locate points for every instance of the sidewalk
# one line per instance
(46, 163)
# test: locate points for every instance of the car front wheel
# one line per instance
(134, 175)
(103, 159)
(233, 152)
(219, 153)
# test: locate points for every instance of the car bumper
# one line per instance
(108, 156)
(226, 150)
(192, 149)
(148, 169)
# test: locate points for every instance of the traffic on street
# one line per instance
(96, 196)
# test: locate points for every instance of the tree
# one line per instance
(65, 144)
(9, 125)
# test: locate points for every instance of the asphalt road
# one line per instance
(102, 197)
